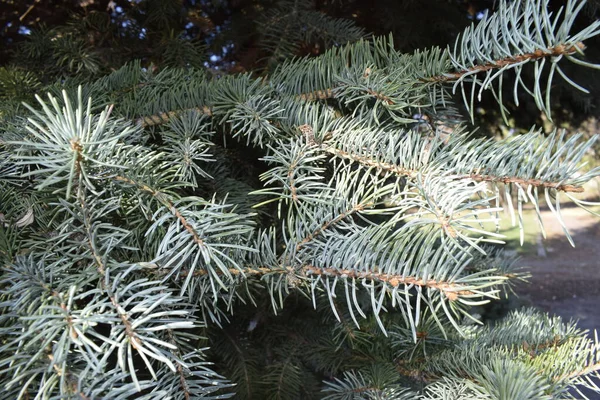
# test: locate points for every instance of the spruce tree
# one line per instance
(318, 227)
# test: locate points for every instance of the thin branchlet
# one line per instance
(356, 208)
(538, 54)
(168, 203)
(452, 290)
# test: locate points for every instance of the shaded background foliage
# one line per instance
(230, 37)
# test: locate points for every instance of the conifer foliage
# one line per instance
(317, 228)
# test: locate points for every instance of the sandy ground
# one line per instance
(566, 280)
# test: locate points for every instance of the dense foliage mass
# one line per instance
(318, 227)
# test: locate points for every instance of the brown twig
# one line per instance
(101, 267)
(164, 117)
(29, 9)
(380, 96)
(524, 182)
(292, 181)
(451, 290)
(392, 168)
(317, 95)
(555, 51)
(327, 224)
(588, 370)
(169, 204)
(384, 166)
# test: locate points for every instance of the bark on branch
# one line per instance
(561, 49)
(451, 290)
